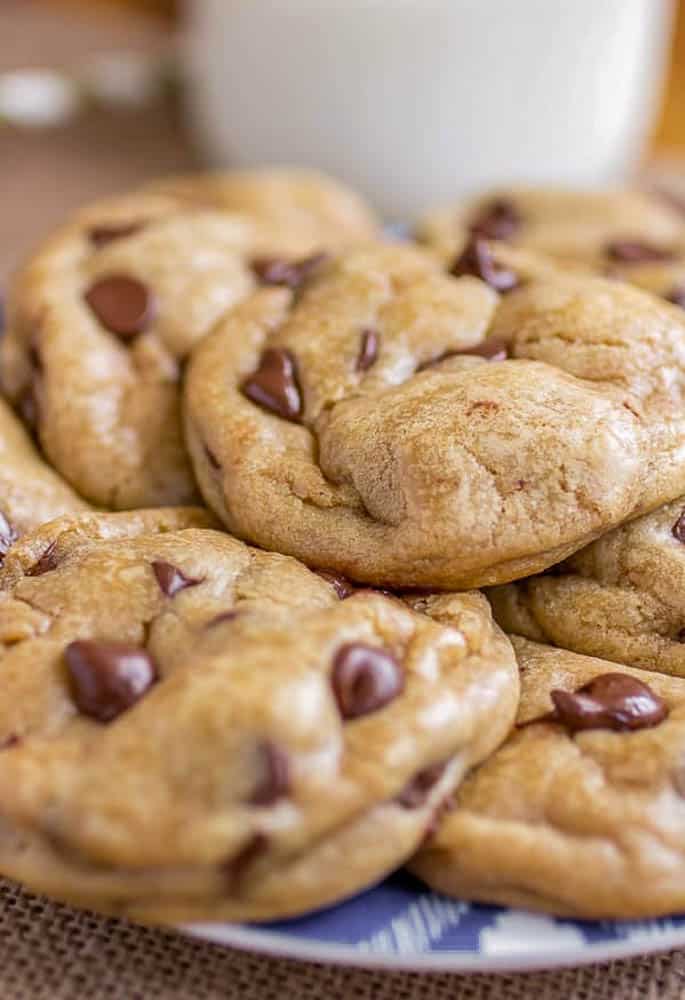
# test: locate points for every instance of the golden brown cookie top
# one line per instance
(195, 727)
(101, 318)
(581, 811)
(411, 428)
(30, 492)
(308, 209)
(602, 229)
(622, 597)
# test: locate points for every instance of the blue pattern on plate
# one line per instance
(401, 917)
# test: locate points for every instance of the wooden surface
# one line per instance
(46, 173)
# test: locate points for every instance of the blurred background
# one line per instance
(89, 105)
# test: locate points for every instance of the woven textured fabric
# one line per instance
(51, 952)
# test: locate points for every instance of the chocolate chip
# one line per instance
(275, 781)
(676, 295)
(171, 579)
(46, 563)
(100, 236)
(368, 350)
(10, 741)
(235, 868)
(107, 678)
(611, 701)
(8, 536)
(288, 273)
(124, 305)
(678, 529)
(274, 385)
(340, 584)
(637, 252)
(478, 261)
(365, 678)
(497, 220)
(416, 792)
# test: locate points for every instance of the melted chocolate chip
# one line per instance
(678, 529)
(365, 679)
(237, 866)
(676, 295)
(288, 273)
(124, 305)
(46, 563)
(275, 781)
(416, 792)
(100, 236)
(497, 220)
(478, 261)
(8, 536)
(368, 350)
(274, 385)
(171, 579)
(340, 584)
(637, 252)
(107, 678)
(611, 701)
(10, 741)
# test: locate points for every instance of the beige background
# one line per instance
(49, 952)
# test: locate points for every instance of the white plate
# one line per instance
(400, 925)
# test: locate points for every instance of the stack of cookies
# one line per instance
(269, 476)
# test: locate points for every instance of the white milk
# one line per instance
(415, 101)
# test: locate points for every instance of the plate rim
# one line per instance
(278, 945)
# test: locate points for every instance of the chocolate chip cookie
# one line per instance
(604, 230)
(633, 236)
(101, 319)
(30, 492)
(412, 428)
(621, 598)
(581, 812)
(195, 729)
(307, 209)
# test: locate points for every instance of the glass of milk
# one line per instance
(417, 101)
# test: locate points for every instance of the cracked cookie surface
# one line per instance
(193, 729)
(584, 822)
(621, 598)
(101, 318)
(410, 428)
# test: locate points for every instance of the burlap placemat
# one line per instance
(51, 952)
